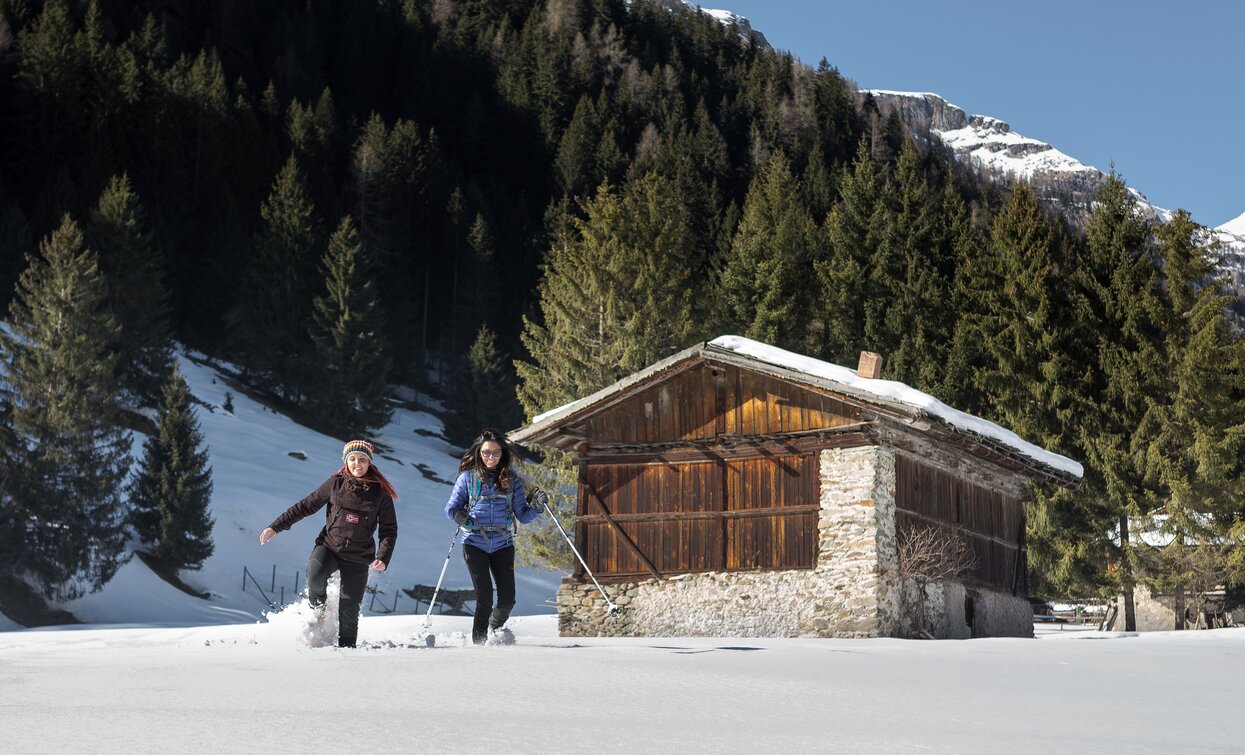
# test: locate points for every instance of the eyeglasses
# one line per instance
(491, 454)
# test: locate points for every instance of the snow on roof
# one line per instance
(895, 391)
(887, 390)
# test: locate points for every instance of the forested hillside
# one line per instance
(522, 201)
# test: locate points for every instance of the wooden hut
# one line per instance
(736, 489)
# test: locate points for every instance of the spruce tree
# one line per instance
(855, 230)
(615, 295)
(281, 278)
(172, 492)
(907, 314)
(134, 271)
(59, 369)
(353, 366)
(1193, 432)
(482, 395)
(770, 261)
(1119, 285)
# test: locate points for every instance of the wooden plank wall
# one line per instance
(991, 522)
(707, 516)
(707, 400)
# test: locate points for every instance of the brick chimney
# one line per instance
(870, 365)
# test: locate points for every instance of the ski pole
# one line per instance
(432, 603)
(613, 609)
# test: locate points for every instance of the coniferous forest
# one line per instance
(513, 203)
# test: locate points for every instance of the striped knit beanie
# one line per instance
(358, 447)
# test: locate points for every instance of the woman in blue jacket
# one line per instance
(487, 499)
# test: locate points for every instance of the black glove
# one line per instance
(460, 516)
(539, 500)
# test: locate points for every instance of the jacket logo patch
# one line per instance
(352, 518)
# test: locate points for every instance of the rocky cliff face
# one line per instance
(1063, 182)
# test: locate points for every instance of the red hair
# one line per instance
(373, 475)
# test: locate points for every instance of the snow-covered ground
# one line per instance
(255, 478)
(157, 670)
(255, 687)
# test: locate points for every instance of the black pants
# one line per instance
(320, 566)
(500, 564)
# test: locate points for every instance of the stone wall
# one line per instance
(852, 591)
(1158, 613)
(952, 610)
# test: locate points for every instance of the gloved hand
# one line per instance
(538, 500)
(460, 516)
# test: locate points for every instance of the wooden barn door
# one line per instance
(645, 520)
(771, 512)
(637, 519)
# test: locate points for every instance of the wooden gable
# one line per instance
(705, 401)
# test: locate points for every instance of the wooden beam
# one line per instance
(678, 516)
(618, 530)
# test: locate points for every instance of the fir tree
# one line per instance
(540, 543)
(1193, 452)
(854, 232)
(172, 492)
(132, 267)
(907, 317)
(615, 296)
(59, 365)
(1119, 284)
(281, 286)
(348, 333)
(770, 259)
(482, 394)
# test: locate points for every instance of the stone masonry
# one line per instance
(852, 591)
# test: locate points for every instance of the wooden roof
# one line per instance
(559, 428)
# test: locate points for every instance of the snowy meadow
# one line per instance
(159, 670)
(256, 687)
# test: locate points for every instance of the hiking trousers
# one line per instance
(487, 569)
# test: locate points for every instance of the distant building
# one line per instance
(737, 489)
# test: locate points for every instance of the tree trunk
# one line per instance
(1126, 572)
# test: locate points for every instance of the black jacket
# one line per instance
(355, 511)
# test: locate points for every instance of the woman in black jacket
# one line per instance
(360, 502)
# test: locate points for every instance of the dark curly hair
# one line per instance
(471, 461)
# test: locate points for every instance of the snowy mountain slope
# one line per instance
(726, 17)
(990, 145)
(257, 472)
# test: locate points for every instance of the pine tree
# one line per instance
(136, 295)
(348, 331)
(59, 366)
(615, 295)
(172, 492)
(1193, 453)
(541, 543)
(1119, 283)
(854, 231)
(907, 317)
(770, 260)
(279, 302)
(482, 393)
(1022, 348)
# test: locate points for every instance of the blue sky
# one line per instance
(1156, 87)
